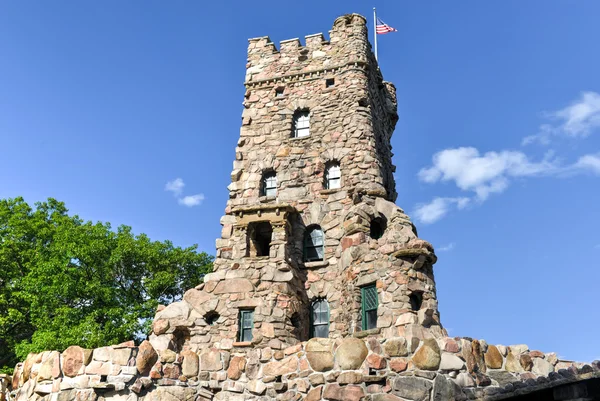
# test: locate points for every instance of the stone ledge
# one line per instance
(242, 344)
(317, 264)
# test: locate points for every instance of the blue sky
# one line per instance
(497, 147)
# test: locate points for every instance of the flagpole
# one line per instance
(375, 31)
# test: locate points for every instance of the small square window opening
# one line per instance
(329, 82)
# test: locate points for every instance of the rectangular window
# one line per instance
(320, 319)
(329, 82)
(369, 303)
(333, 177)
(270, 185)
(302, 126)
(246, 324)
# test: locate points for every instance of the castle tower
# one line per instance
(312, 243)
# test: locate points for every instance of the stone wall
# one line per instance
(369, 369)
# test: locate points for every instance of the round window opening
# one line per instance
(211, 318)
(377, 228)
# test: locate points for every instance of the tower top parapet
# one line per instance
(348, 46)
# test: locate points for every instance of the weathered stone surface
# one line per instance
(168, 356)
(72, 360)
(465, 380)
(412, 388)
(236, 367)
(319, 354)
(256, 387)
(442, 389)
(493, 358)
(190, 364)
(396, 346)
(398, 365)
(211, 360)
(526, 362)
(502, 377)
(451, 362)
(234, 285)
(385, 397)
(542, 367)
(335, 392)
(50, 367)
(512, 363)
(283, 367)
(428, 355)
(146, 357)
(351, 353)
(314, 394)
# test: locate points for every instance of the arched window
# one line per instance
(377, 228)
(313, 244)
(269, 184)
(301, 126)
(319, 318)
(333, 176)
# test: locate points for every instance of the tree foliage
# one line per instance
(65, 281)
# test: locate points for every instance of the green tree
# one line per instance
(65, 281)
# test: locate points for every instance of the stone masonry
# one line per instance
(321, 288)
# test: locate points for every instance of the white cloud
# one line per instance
(175, 186)
(483, 174)
(446, 248)
(588, 163)
(191, 200)
(431, 212)
(577, 120)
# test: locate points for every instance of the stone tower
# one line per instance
(312, 243)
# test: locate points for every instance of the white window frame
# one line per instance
(333, 176)
(269, 183)
(301, 124)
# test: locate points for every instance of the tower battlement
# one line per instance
(348, 46)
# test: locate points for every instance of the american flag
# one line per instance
(382, 27)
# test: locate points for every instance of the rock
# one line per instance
(120, 356)
(236, 367)
(197, 299)
(542, 367)
(50, 367)
(493, 358)
(167, 356)
(413, 388)
(451, 362)
(376, 361)
(176, 310)
(256, 387)
(160, 326)
(398, 365)
(427, 356)
(385, 397)
(319, 355)
(234, 286)
(350, 378)
(334, 391)
(314, 394)
(280, 368)
(502, 377)
(102, 354)
(465, 380)
(512, 363)
(146, 357)
(210, 360)
(396, 347)
(518, 349)
(72, 360)
(526, 362)
(190, 365)
(351, 353)
(442, 389)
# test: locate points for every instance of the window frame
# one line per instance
(269, 183)
(328, 177)
(313, 324)
(311, 245)
(302, 117)
(244, 316)
(364, 310)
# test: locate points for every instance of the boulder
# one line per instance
(319, 355)
(396, 347)
(236, 367)
(72, 360)
(190, 364)
(451, 362)
(412, 388)
(351, 353)
(493, 358)
(234, 285)
(146, 357)
(280, 368)
(428, 355)
(211, 360)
